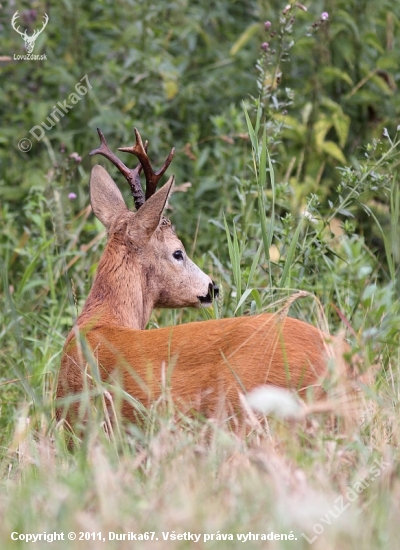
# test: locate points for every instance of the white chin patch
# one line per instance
(204, 301)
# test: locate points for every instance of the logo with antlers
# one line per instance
(29, 40)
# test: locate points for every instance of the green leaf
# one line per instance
(333, 74)
(290, 254)
(369, 291)
(342, 126)
(372, 40)
(382, 84)
(321, 128)
(272, 217)
(235, 256)
(333, 150)
(170, 88)
(252, 134)
(243, 298)
(388, 62)
(388, 248)
(254, 263)
(257, 298)
(261, 196)
(245, 37)
(31, 268)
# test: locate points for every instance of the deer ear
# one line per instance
(105, 197)
(148, 216)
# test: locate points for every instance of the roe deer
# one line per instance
(143, 266)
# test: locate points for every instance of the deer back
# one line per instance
(203, 363)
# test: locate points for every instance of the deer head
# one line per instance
(144, 264)
(29, 40)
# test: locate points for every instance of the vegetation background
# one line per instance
(224, 82)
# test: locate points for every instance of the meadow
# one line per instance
(285, 123)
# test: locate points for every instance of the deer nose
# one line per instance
(213, 290)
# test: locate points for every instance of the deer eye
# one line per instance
(178, 255)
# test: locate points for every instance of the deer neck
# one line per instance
(118, 295)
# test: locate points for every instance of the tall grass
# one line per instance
(177, 475)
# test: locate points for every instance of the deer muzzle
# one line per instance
(212, 294)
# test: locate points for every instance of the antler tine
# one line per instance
(140, 152)
(13, 22)
(131, 175)
(164, 167)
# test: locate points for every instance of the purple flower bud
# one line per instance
(75, 156)
(71, 196)
(32, 15)
(265, 46)
(324, 16)
(267, 24)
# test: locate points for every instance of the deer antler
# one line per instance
(36, 33)
(133, 176)
(13, 21)
(140, 152)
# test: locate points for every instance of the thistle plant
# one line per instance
(274, 99)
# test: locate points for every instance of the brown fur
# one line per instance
(204, 362)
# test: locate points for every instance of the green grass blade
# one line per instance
(272, 217)
(254, 264)
(246, 293)
(261, 195)
(235, 257)
(388, 247)
(290, 254)
(31, 268)
(252, 134)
